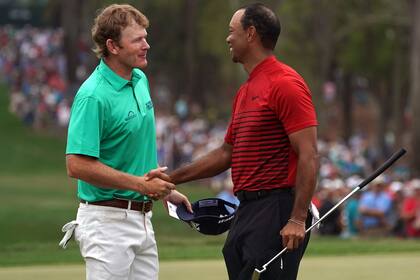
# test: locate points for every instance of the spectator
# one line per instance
(332, 225)
(397, 196)
(411, 210)
(375, 207)
(351, 211)
(351, 216)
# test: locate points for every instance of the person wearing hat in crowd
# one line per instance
(333, 224)
(270, 145)
(351, 209)
(374, 208)
(111, 146)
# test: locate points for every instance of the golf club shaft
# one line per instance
(383, 167)
(316, 223)
(375, 174)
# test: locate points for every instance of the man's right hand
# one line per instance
(156, 188)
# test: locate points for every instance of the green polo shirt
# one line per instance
(112, 119)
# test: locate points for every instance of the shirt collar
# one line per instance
(262, 65)
(116, 81)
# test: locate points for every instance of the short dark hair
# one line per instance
(265, 22)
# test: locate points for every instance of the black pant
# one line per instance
(254, 238)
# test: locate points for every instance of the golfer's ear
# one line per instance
(112, 46)
(252, 34)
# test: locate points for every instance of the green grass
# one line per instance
(23, 151)
(384, 267)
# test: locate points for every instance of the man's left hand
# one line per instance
(292, 234)
(176, 197)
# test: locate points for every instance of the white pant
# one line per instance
(116, 243)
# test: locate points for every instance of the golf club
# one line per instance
(257, 273)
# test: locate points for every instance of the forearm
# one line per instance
(305, 185)
(96, 173)
(209, 165)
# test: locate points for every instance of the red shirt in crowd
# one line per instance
(411, 206)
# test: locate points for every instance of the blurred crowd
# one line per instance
(33, 65)
(389, 206)
(386, 208)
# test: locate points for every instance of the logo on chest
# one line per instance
(131, 115)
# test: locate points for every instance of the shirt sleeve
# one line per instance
(291, 100)
(228, 135)
(85, 126)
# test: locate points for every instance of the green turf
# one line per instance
(23, 150)
(384, 267)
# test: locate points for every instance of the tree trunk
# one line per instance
(323, 35)
(384, 101)
(89, 9)
(347, 107)
(415, 89)
(69, 15)
(397, 125)
(190, 49)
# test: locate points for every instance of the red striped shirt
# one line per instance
(273, 103)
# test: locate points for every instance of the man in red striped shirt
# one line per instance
(271, 147)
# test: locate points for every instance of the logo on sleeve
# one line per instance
(149, 105)
(130, 116)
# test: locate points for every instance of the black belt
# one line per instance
(254, 195)
(142, 206)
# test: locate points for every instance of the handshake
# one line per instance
(156, 184)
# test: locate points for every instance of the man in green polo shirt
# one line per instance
(111, 146)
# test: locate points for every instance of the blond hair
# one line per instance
(110, 22)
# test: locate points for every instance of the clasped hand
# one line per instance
(158, 184)
(170, 194)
